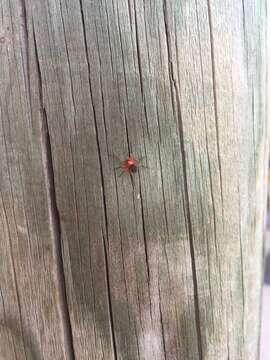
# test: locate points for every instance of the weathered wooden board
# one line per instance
(170, 268)
(30, 326)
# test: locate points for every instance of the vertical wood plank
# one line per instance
(30, 326)
(63, 63)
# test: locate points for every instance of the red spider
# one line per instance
(130, 166)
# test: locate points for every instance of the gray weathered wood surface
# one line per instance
(92, 268)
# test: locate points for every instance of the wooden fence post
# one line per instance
(93, 267)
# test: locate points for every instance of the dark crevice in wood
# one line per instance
(122, 52)
(109, 297)
(245, 38)
(215, 102)
(55, 223)
(138, 51)
(206, 135)
(26, 71)
(208, 159)
(126, 87)
(158, 117)
(241, 256)
(140, 315)
(263, 262)
(104, 201)
(56, 236)
(254, 131)
(170, 64)
(204, 228)
(190, 232)
(128, 141)
(163, 194)
(109, 38)
(148, 46)
(140, 67)
(185, 176)
(95, 117)
(162, 325)
(110, 310)
(122, 255)
(209, 163)
(68, 60)
(144, 237)
(132, 31)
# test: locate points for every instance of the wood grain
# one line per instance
(30, 326)
(169, 268)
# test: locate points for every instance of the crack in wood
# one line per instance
(55, 223)
(215, 101)
(110, 310)
(162, 324)
(185, 177)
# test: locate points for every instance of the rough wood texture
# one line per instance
(30, 326)
(93, 268)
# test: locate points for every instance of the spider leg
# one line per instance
(116, 159)
(141, 165)
(121, 174)
(117, 167)
(132, 180)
